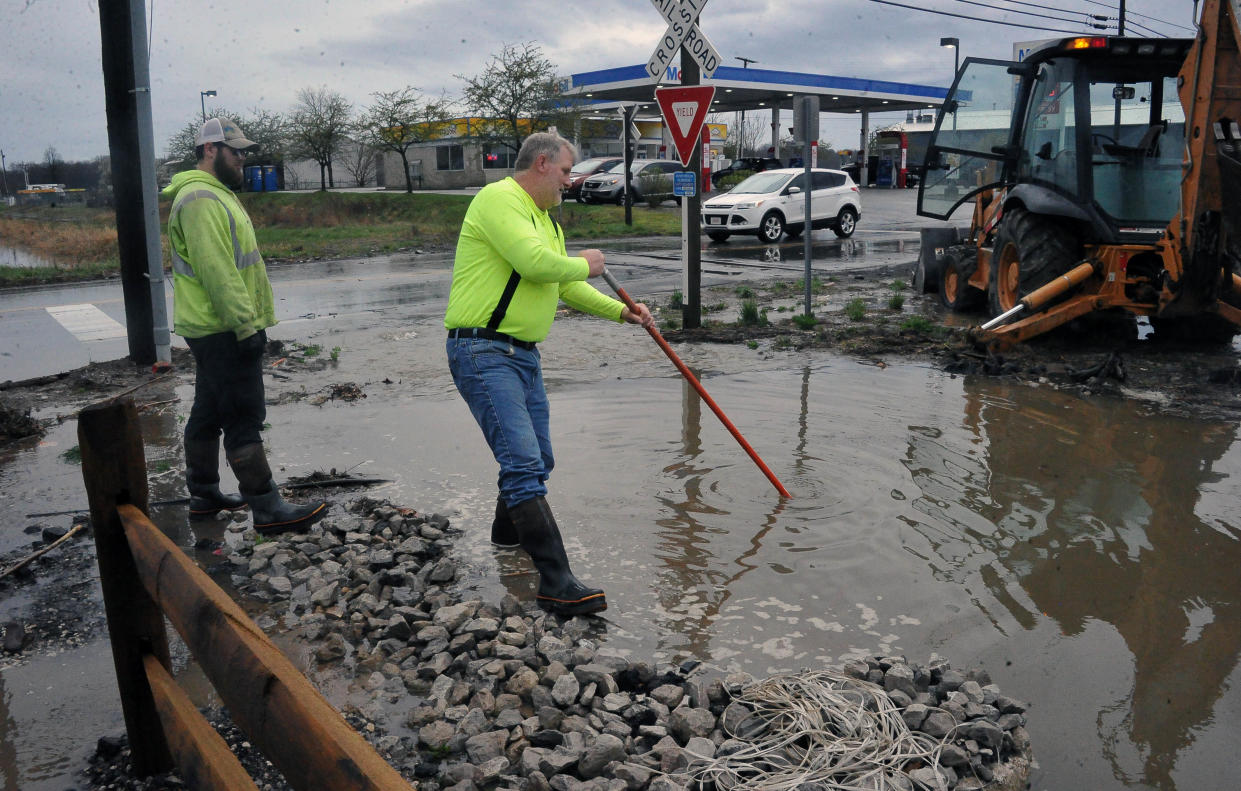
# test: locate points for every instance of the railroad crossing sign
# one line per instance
(683, 31)
(684, 109)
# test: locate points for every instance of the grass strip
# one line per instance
(80, 242)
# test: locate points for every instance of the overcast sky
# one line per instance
(260, 53)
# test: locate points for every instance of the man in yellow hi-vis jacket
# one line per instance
(222, 306)
(510, 273)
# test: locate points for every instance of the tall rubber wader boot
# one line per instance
(503, 534)
(202, 478)
(559, 591)
(271, 513)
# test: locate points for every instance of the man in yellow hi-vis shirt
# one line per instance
(222, 305)
(510, 274)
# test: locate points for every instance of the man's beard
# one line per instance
(228, 176)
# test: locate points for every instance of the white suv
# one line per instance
(773, 203)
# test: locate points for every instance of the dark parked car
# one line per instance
(588, 167)
(751, 164)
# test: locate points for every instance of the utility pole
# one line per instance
(1120, 31)
(127, 94)
(691, 308)
(4, 173)
(745, 64)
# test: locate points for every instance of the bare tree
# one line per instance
(398, 120)
(359, 160)
(515, 95)
(319, 127)
(743, 137)
(52, 162)
(268, 129)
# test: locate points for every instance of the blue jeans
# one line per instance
(503, 386)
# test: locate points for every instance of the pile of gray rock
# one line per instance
(469, 694)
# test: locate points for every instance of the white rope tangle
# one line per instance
(821, 730)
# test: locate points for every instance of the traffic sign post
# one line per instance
(683, 117)
(629, 137)
(806, 119)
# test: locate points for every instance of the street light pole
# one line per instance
(745, 64)
(202, 100)
(955, 43)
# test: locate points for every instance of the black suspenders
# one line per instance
(510, 287)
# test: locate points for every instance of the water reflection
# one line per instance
(21, 259)
(823, 250)
(687, 547)
(1093, 510)
(8, 734)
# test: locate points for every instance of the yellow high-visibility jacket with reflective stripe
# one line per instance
(504, 231)
(219, 281)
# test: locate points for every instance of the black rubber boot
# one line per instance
(202, 478)
(271, 513)
(559, 591)
(503, 534)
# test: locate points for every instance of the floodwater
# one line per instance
(1083, 550)
(21, 259)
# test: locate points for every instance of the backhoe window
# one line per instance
(1137, 141)
(1049, 144)
(967, 150)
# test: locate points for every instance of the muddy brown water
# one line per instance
(1083, 550)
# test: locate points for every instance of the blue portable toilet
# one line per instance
(254, 178)
(269, 178)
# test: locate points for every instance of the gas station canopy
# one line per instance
(757, 89)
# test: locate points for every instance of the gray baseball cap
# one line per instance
(223, 130)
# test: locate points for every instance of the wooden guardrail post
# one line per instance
(280, 711)
(114, 471)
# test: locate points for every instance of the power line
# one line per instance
(1089, 17)
(1142, 16)
(1140, 26)
(977, 19)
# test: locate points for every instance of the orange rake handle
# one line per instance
(693, 380)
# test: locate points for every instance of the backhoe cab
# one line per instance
(1105, 177)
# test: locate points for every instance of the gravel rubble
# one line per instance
(467, 694)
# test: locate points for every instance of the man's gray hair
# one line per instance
(541, 143)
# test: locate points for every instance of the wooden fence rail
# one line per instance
(145, 577)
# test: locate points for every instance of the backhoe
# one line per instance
(1106, 177)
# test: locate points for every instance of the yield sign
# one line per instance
(684, 109)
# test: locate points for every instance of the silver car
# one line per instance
(609, 186)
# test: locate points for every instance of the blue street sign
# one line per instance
(684, 184)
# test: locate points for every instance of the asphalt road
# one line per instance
(47, 330)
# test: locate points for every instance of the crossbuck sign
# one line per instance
(683, 31)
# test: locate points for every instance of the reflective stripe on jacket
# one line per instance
(219, 280)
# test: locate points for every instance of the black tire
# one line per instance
(1030, 251)
(771, 228)
(955, 293)
(846, 223)
(718, 236)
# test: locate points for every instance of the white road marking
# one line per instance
(87, 322)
